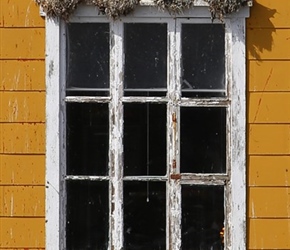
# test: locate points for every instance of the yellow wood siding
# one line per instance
(22, 127)
(268, 102)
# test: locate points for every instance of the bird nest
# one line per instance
(117, 8)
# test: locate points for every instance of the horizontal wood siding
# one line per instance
(22, 126)
(268, 64)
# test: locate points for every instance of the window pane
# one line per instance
(87, 138)
(87, 215)
(202, 217)
(144, 139)
(145, 58)
(144, 215)
(203, 60)
(203, 140)
(88, 57)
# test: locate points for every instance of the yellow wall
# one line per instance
(268, 45)
(22, 128)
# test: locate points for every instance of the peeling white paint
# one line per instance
(233, 180)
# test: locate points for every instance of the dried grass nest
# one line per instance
(117, 8)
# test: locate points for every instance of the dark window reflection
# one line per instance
(87, 138)
(203, 60)
(144, 139)
(145, 215)
(87, 219)
(203, 140)
(202, 217)
(145, 58)
(88, 57)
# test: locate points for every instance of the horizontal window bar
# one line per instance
(86, 178)
(145, 99)
(86, 89)
(145, 178)
(212, 102)
(87, 99)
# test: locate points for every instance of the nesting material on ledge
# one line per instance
(117, 8)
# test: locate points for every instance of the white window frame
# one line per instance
(55, 120)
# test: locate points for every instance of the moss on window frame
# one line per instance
(117, 8)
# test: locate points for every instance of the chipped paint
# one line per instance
(233, 182)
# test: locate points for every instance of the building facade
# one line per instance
(22, 125)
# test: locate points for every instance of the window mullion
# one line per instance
(116, 130)
(174, 188)
(237, 196)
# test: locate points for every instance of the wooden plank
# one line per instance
(270, 14)
(22, 75)
(22, 201)
(269, 171)
(268, 43)
(22, 169)
(269, 107)
(22, 232)
(1, 17)
(269, 202)
(24, 13)
(23, 138)
(267, 139)
(22, 106)
(30, 248)
(269, 234)
(17, 43)
(268, 76)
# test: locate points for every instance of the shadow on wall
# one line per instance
(260, 29)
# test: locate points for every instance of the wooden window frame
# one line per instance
(236, 103)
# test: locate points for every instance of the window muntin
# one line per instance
(173, 189)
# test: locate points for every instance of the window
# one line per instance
(146, 132)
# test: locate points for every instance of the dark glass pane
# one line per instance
(144, 139)
(203, 140)
(144, 215)
(202, 217)
(203, 60)
(87, 138)
(145, 58)
(88, 57)
(87, 219)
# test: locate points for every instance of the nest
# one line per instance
(117, 8)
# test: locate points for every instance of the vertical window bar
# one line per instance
(227, 189)
(228, 57)
(174, 188)
(116, 130)
(62, 86)
(237, 196)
